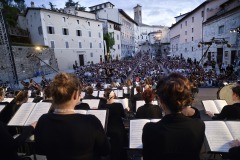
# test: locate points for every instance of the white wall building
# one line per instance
(120, 17)
(187, 32)
(220, 27)
(74, 35)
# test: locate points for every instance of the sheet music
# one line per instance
(209, 105)
(1, 107)
(123, 101)
(30, 100)
(125, 90)
(95, 93)
(8, 100)
(136, 129)
(234, 128)
(218, 136)
(142, 102)
(22, 114)
(135, 91)
(93, 103)
(100, 114)
(101, 94)
(119, 93)
(220, 104)
(82, 94)
(39, 109)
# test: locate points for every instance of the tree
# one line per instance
(109, 38)
(52, 7)
(20, 4)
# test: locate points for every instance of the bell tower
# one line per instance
(138, 14)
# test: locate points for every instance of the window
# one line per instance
(185, 32)
(181, 26)
(40, 32)
(202, 13)
(221, 29)
(192, 38)
(89, 34)
(91, 54)
(77, 21)
(100, 45)
(52, 44)
(185, 23)
(110, 26)
(192, 30)
(185, 49)
(80, 44)
(67, 45)
(99, 34)
(79, 33)
(50, 30)
(90, 44)
(64, 19)
(192, 49)
(185, 40)
(192, 19)
(88, 23)
(65, 31)
(118, 46)
(176, 47)
(118, 37)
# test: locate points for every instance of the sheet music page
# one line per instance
(101, 94)
(100, 114)
(80, 111)
(140, 103)
(220, 104)
(93, 103)
(1, 107)
(234, 128)
(95, 93)
(82, 94)
(119, 93)
(218, 136)
(39, 109)
(22, 114)
(123, 101)
(30, 100)
(125, 90)
(155, 120)
(8, 100)
(135, 91)
(136, 129)
(209, 105)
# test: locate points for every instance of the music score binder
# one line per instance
(220, 133)
(136, 129)
(93, 103)
(102, 115)
(29, 113)
(214, 106)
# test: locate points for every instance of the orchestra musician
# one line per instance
(34, 85)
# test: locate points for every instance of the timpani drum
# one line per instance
(226, 93)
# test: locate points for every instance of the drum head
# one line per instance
(226, 93)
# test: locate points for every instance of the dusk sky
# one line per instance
(155, 12)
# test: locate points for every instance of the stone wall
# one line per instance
(28, 63)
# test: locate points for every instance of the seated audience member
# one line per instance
(89, 92)
(9, 145)
(64, 134)
(148, 110)
(234, 151)
(165, 139)
(191, 112)
(115, 126)
(229, 112)
(2, 94)
(136, 97)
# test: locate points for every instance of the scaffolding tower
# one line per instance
(7, 54)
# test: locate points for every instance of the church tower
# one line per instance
(138, 14)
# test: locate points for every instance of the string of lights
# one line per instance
(235, 30)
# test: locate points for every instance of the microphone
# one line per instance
(30, 55)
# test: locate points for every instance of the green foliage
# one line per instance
(109, 38)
